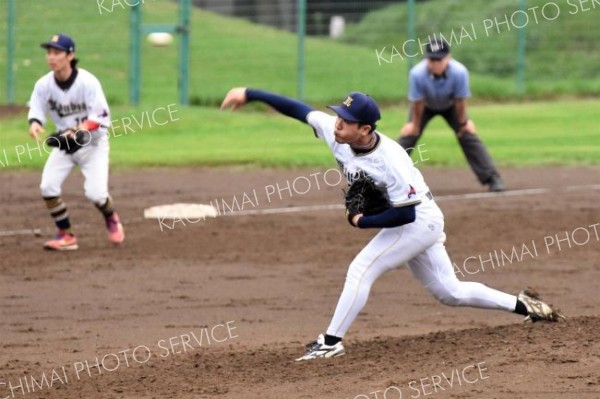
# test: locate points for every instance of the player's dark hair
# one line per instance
(373, 127)
(74, 62)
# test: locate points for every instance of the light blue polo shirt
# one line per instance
(439, 94)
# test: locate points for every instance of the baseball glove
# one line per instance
(69, 144)
(364, 197)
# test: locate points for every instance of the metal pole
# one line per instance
(184, 50)
(301, 27)
(411, 30)
(521, 44)
(135, 54)
(10, 54)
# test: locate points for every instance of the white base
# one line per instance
(180, 211)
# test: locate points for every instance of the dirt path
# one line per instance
(276, 279)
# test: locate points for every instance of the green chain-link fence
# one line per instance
(511, 46)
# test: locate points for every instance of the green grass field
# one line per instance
(558, 38)
(227, 52)
(516, 135)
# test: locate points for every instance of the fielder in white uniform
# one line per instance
(75, 101)
(412, 230)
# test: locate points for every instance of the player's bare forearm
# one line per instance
(413, 127)
(418, 107)
(466, 125)
(461, 111)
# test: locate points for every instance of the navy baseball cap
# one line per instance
(61, 42)
(358, 107)
(437, 49)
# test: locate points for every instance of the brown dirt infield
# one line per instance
(9, 111)
(276, 279)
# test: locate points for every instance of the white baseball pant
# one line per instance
(421, 245)
(93, 162)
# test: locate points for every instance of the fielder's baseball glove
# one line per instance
(364, 197)
(69, 144)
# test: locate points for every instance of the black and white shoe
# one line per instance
(537, 309)
(318, 349)
(496, 185)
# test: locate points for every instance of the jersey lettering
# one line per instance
(64, 110)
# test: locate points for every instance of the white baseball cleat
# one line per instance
(537, 309)
(318, 349)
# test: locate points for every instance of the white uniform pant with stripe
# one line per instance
(93, 161)
(421, 245)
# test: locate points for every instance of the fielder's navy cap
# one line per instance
(61, 42)
(437, 49)
(358, 107)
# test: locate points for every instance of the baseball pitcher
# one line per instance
(386, 192)
(76, 103)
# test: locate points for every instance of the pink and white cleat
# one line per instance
(62, 241)
(116, 234)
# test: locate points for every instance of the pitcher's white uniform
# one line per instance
(84, 100)
(419, 244)
(418, 238)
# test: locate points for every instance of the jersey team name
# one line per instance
(66, 109)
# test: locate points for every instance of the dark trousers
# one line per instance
(477, 155)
